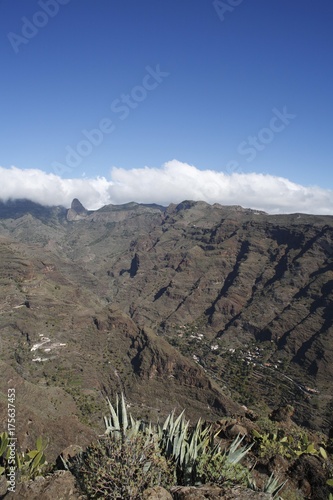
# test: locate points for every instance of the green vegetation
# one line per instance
(133, 456)
(289, 446)
(220, 469)
(125, 462)
(114, 469)
(195, 454)
(272, 486)
(29, 464)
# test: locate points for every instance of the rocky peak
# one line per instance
(77, 211)
(78, 207)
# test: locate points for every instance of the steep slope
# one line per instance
(248, 295)
(63, 348)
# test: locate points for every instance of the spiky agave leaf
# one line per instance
(112, 422)
(123, 414)
(272, 486)
(120, 423)
(235, 454)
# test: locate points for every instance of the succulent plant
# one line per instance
(28, 464)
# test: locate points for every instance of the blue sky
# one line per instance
(225, 73)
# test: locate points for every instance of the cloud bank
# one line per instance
(172, 183)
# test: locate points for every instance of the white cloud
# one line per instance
(173, 182)
(50, 189)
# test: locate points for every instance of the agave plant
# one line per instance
(183, 445)
(192, 449)
(272, 486)
(187, 448)
(236, 454)
(119, 423)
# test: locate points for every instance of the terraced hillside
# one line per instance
(201, 304)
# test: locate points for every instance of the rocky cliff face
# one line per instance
(178, 307)
(77, 211)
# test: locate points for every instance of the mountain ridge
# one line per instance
(213, 285)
